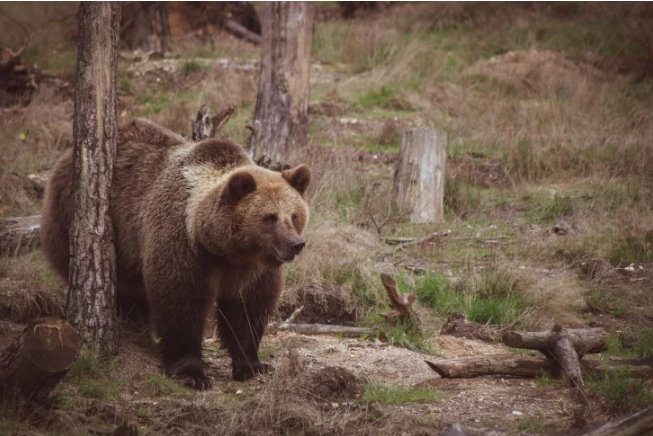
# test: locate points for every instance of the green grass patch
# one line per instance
(87, 365)
(622, 392)
(632, 249)
(376, 392)
(49, 278)
(544, 379)
(533, 424)
(553, 209)
(158, 384)
(191, 67)
(643, 346)
(402, 336)
(125, 86)
(460, 199)
(494, 296)
(101, 389)
(379, 97)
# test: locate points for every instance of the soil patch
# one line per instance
(326, 304)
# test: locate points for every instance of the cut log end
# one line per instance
(38, 358)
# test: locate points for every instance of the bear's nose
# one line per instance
(297, 245)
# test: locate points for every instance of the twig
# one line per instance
(429, 238)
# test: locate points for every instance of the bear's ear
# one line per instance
(299, 177)
(238, 186)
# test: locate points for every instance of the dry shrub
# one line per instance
(28, 288)
(32, 140)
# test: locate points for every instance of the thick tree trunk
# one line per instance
(91, 305)
(31, 366)
(282, 99)
(19, 235)
(151, 26)
(419, 179)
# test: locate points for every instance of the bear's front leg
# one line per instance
(242, 321)
(178, 308)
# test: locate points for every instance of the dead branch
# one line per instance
(206, 126)
(433, 236)
(240, 31)
(402, 304)
(218, 121)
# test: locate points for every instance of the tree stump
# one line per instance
(91, 305)
(282, 98)
(420, 174)
(33, 364)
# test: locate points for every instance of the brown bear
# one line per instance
(195, 223)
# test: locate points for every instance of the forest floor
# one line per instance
(549, 118)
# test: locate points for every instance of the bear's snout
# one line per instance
(297, 245)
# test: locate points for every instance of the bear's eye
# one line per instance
(295, 217)
(270, 218)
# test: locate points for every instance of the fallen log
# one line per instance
(511, 365)
(19, 235)
(640, 423)
(242, 32)
(33, 364)
(584, 341)
(497, 364)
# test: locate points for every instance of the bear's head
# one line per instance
(255, 216)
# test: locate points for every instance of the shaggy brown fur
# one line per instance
(193, 223)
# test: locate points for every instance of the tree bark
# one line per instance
(589, 340)
(91, 305)
(19, 235)
(419, 179)
(151, 26)
(282, 99)
(33, 364)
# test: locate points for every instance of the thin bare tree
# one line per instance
(91, 305)
(282, 100)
